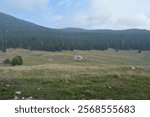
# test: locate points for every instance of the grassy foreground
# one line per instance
(56, 75)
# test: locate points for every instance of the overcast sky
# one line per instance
(90, 14)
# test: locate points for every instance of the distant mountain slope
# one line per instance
(13, 23)
(17, 33)
(71, 29)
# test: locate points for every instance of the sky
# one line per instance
(88, 14)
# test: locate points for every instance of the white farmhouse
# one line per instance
(78, 57)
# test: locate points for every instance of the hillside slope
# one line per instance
(17, 33)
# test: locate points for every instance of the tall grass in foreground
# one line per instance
(75, 82)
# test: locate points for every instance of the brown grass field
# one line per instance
(56, 75)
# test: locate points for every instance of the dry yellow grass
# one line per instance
(100, 75)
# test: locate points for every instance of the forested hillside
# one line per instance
(16, 33)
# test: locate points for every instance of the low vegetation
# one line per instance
(17, 60)
(56, 75)
(7, 61)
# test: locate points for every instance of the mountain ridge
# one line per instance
(67, 28)
(18, 33)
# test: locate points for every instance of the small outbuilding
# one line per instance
(78, 57)
(133, 68)
(50, 60)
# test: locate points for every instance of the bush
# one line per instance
(17, 61)
(139, 51)
(4, 50)
(7, 61)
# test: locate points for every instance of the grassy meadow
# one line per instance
(56, 75)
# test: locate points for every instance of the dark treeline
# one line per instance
(16, 33)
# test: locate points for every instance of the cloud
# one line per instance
(66, 3)
(91, 14)
(137, 21)
(114, 14)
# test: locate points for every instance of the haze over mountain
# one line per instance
(17, 33)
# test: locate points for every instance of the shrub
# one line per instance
(17, 61)
(7, 61)
(4, 50)
(139, 51)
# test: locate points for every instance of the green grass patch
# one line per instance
(100, 75)
(79, 87)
